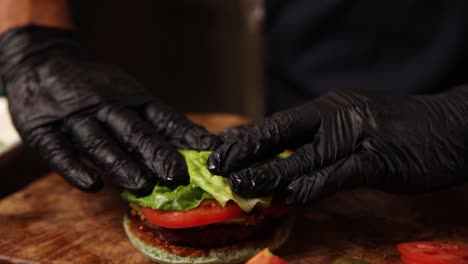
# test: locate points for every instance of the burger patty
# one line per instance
(209, 236)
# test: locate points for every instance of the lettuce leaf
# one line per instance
(215, 185)
(182, 198)
(203, 185)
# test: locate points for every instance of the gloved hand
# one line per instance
(68, 106)
(347, 139)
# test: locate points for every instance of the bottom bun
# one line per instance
(240, 253)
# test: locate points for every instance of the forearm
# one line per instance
(52, 13)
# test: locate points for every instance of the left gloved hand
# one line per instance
(347, 139)
(69, 106)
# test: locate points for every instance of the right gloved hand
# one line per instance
(348, 139)
(66, 105)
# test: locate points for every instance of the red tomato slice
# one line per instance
(433, 252)
(266, 257)
(208, 212)
(407, 260)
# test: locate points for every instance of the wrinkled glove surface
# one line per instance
(348, 139)
(68, 106)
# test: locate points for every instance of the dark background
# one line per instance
(198, 56)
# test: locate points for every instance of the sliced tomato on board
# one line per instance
(433, 252)
(208, 212)
(266, 257)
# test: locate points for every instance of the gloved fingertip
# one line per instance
(176, 178)
(255, 182)
(134, 179)
(94, 187)
(214, 162)
(246, 184)
(235, 181)
(87, 181)
(303, 191)
(139, 187)
(171, 170)
(289, 198)
(143, 190)
(200, 139)
(210, 142)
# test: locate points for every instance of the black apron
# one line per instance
(398, 47)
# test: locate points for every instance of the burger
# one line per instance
(205, 221)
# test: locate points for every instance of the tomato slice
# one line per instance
(266, 257)
(407, 260)
(433, 252)
(208, 212)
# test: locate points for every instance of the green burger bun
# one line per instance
(237, 253)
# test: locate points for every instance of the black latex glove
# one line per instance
(347, 139)
(66, 105)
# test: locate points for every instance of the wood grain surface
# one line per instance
(51, 222)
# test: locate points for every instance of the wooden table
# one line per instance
(51, 222)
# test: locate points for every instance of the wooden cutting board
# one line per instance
(51, 222)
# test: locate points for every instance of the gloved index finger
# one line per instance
(178, 130)
(54, 148)
(260, 141)
(358, 169)
(151, 149)
(104, 151)
(273, 175)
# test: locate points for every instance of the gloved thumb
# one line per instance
(358, 169)
(275, 174)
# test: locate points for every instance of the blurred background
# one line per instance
(198, 56)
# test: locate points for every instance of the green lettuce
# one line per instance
(182, 198)
(203, 185)
(215, 185)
